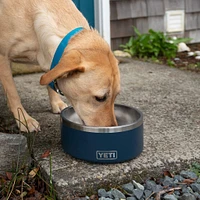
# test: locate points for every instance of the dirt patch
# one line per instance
(185, 62)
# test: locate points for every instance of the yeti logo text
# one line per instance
(106, 155)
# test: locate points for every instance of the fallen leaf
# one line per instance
(38, 195)
(17, 192)
(9, 175)
(33, 172)
(31, 191)
(94, 197)
(23, 194)
(31, 198)
(46, 154)
(168, 173)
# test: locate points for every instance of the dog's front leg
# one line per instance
(57, 104)
(24, 121)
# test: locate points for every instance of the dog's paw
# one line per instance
(29, 125)
(58, 106)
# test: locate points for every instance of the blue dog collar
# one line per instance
(58, 54)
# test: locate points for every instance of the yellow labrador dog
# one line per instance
(85, 69)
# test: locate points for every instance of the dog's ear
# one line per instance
(69, 63)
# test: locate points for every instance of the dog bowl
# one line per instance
(103, 144)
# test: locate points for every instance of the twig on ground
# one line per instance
(166, 191)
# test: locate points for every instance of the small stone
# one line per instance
(177, 192)
(185, 190)
(190, 189)
(138, 193)
(121, 54)
(128, 188)
(195, 187)
(197, 57)
(105, 198)
(117, 194)
(177, 59)
(196, 194)
(197, 53)
(188, 174)
(178, 178)
(176, 182)
(168, 181)
(170, 197)
(138, 185)
(150, 185)
(131, 198)
(157, 188)
(147, 193)
(187, 196)
(102, 193)
(190, 54)
(198, 180)
(183, 47)
(109, 194)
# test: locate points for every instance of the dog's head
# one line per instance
(89, 78)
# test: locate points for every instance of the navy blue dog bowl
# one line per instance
(103, 144)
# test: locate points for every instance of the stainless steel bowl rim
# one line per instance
(112, 129)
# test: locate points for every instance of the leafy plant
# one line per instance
(195, 167)
(198, 65)
(152, 45)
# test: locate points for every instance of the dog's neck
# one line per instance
(50, 33)
(58, 54)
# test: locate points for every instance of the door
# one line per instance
(87, 9)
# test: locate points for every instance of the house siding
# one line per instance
(150, 14)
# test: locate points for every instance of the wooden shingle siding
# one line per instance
(174, 4)
(118, 41)
(192, 6)
(155, 7)
(113, 10)
(142, 24)
(198, 21)
(156, 23)
(124, 9)
(122, 28)
(193, 34)
(138, 8)
(191, 20)
(150, 14)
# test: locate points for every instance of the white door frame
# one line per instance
(102, 18)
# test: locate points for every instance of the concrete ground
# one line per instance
(170, 101)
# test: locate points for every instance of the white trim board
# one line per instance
(102, 18)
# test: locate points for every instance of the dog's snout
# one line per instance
(114, 123)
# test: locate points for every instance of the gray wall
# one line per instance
(146, 14)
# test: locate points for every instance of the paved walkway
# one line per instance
(170, 101)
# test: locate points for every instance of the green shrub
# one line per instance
(152, 45)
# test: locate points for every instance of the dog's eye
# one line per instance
(101, 99)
